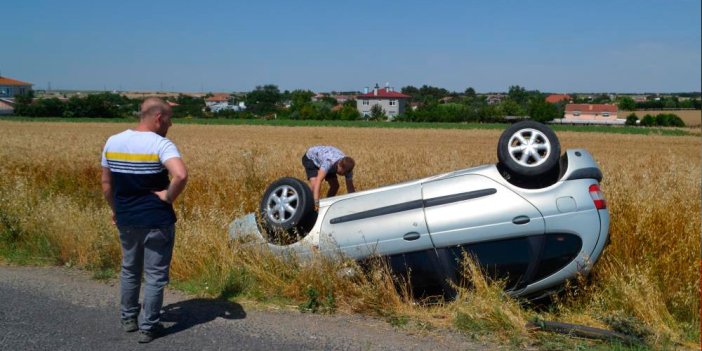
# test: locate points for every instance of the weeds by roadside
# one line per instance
(646, 283)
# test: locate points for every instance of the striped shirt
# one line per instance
(136, 161)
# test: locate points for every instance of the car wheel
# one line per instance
(286, 209)
(528, 149)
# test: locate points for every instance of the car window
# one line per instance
(559, 250)
(501, 259)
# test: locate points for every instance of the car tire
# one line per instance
(286, 210)
(528, 149)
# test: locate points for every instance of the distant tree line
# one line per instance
(648, 120)
(103, 105)
(671, 102)
(439, 105)
(431, 104)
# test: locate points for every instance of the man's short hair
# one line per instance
(347, 163)
(153, 105)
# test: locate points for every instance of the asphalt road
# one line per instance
(52, 308)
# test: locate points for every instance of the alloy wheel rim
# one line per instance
(282, 204)
(529, 147)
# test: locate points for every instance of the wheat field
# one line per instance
(51, 209)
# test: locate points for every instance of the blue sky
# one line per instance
(553, 46)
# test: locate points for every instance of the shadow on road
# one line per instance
(189, 313)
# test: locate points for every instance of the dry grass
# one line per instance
(51, 206)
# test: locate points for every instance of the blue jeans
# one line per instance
(147, 250)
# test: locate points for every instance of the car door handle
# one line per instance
(521, 220)
(411, 236)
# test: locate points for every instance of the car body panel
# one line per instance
(489, 216)
(387, 222)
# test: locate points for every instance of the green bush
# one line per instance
(648, 120)
(348, 113)
(669, 119)
(632, 120)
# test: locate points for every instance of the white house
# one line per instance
(10, 87)
(220, 102)
(392, 102)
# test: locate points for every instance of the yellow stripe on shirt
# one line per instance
(123, 156)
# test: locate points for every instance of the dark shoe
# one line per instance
(129, 325)
(147, 336)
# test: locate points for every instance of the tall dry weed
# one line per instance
(51, 206)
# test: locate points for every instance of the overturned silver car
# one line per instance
(535, 218)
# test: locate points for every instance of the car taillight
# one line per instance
(597, 197)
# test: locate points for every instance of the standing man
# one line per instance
(324, 163)
(135, 168)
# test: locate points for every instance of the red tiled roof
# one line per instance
(218, 98)
(594, 108)
(554, 98)
(10, 81)
(383, 93)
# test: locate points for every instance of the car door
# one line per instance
(385, 222)
(475, 215)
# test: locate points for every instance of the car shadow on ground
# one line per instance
(186, 314)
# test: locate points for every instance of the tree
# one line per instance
(601, 99)
(648, 120)
(632, 119)
(300, 98)
(263, 99)
(669, 119)
(675, 121)
(188, 106)
(627, 104)
(662, 120)
(349, 113)
(377, 113)
(542, 111)
(670, 103)
(490, 113)
(323, 110)
(429, 92)
(102, 105)
(577, 98)
(329, 100)
(411, 91)
(308, 111)
(52, 107)
(686, 104)
(510, 107)
(518, 94)
(23, 104)
(470, 93)
(350, 103)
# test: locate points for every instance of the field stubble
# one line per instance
(51, 208)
